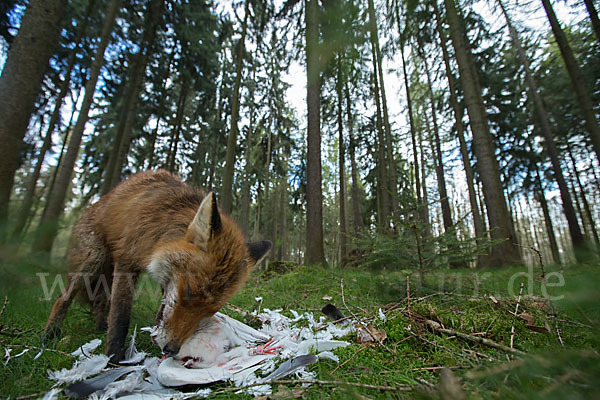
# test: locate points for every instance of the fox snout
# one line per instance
(171, 349)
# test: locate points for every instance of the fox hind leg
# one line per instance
(121, 301)
(60, 307)
(101, 298)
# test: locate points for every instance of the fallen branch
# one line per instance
(38, 348)
(433, 368)
(435, 326)
(512, 330)
(401, 388)
(4, 306)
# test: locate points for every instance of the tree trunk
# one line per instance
(314, 200)
(437, 153)
(425, 214)
(282, 237)
(48, 227)
(341, 162)
(213, 150)
(569, 211)
(586, 205)
(159, 112)
(356, 215)
(541, 197)
(118, 156)
(227, 189)
(589, 4)
(505, 252)
(172, 156)
(584, 99)
(31, 185)
(24, 69)
(389, 147)
(245, 218)
(383, 181)
(458, 115)
(50, 187)
(409, 109)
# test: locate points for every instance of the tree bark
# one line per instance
(545, 127)
(48, 227)
(356, 215)
(24, 69)
(383, 181)
(245, 218)
(227, 189)
(118, 156)
(458, 116)
(341, 162)
(172, 156)
(586, 205)
(505, 252)
(409, 109)
(589, 4)
(437, 153)
(30, 188)
(586, 104)
(425, 214)
(315, 253)
(389, 147)
(541, 197)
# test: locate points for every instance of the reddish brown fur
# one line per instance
(145, 217)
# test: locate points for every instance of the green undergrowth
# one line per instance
(477, 303)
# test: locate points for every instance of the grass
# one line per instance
(459, 299)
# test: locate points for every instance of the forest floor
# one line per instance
(556, 342)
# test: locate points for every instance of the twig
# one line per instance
(477, 339)
(30, 396)
(512, 330)
(39, 348)
(466, 354)
(433, 368)
(403, 388)
(4, 306)
(344, 299)
(576, 323)
(425, 383)
(408, 292)
(539, 254)
(350, 358)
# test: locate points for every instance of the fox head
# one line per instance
(200, 272)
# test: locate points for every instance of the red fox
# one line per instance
(154, 222)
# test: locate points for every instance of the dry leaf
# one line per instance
(492, 298)
(538, 329)
(326, 298)
(528, 318)
(369, 334)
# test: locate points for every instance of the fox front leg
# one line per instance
(122, 294)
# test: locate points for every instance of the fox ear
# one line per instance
(258, 250)
(207, 220)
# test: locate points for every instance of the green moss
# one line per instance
(459, 299)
